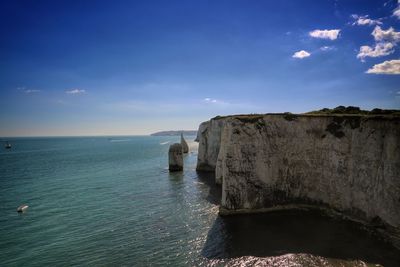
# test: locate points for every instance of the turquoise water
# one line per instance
(98, 201)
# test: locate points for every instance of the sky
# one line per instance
(136, 67)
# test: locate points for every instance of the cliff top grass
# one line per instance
(350, 110)
(338, 111)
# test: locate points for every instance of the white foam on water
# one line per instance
(164, 143)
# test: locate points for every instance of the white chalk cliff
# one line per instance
(185, 147)
(342, 163)
(175, 158)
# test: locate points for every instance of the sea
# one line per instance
(111, 201)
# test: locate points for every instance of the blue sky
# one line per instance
(134, 67)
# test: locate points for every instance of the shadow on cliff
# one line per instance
(208, 178)
(283, 232)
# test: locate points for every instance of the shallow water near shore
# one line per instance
(111, 201)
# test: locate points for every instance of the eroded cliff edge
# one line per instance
(343, 163)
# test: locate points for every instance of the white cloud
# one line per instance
(75, 91)
(380, 49)
(364, 20)
(325, 34)
(386, 67)
(386, 42)
(301, 54)
(389, 35)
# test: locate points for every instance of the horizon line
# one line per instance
(2, 138)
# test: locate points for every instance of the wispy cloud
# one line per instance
(325, 34)
(386, 67)
(327, 48)
(380, 49)
(214, 101)
(365, 20)
(301, 54)
(396, 12)
(28, 91)
(31, 91)
(209, 100)
(396, 95)
(75, 91)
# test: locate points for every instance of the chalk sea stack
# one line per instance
(175, 157)
(344, 163)
(185, 147)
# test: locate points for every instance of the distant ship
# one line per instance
(7, 145)
(22, 208)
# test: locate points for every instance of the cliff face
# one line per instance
(349, 164)
(209, 138)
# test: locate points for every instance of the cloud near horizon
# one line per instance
(301, 54)
(210, 100)
(75, 91)
(387, 67)
(325, 34)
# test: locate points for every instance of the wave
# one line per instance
(164, 143)
(120, 140)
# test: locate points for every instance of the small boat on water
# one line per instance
(7, 145)
(22, 208)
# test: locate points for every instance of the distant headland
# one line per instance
(175, 133)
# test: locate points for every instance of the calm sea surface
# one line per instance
(102, 201)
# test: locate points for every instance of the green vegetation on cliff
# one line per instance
(350, 110)
(338, 111)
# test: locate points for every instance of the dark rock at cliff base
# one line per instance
(175, 157)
